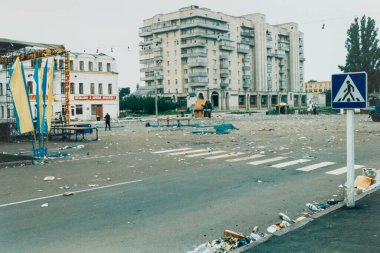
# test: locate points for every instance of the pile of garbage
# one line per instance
(369, 180)
(232, 240)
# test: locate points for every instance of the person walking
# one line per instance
(108, 122)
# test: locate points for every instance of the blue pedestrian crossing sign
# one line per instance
(349, 90)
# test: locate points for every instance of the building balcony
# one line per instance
(246, 75)
(197, 74)
(219, 27)
(145, 31)
(196, 54)
(249, 34)
(246, 68)
(196, 44)
(246, 83)
(246, 60)
(150, 42)
(224, 65)
(147, 78)
(223, 56)
(226, 47)
(248, 42)
(223, 85)
(302, 59)
(269, 45)
(150, 69)
(197, 64)
(243, 48)
(280, 53)
(163, 27)
(224, 73)
(197, 84)
(270, 53)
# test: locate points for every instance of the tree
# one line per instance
(124, 92)
(363, 52)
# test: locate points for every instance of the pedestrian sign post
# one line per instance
(349, 91)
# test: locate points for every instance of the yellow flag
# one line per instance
(49, 108)
(20, 99)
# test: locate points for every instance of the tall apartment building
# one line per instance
(93, 87)
(235, 62)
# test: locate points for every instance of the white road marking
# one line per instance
(268, 160)
(244, 158)
(285, 164)
(170, 150)
(207, 153)
(60, 195)
(343, 170)
(316, 166)
(225, 155)
(188, 152)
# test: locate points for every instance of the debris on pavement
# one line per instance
(45, 205)
(233, 234)
(68, 193)
(49, 178)
(284, 217)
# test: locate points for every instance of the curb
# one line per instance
(303, 222)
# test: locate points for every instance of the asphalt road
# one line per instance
(171, 204)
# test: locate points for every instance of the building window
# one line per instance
(30, 87)
(1, 89)
(110, 88)
(108, 67)
(92, 88)
(168, 82)
(100, 88)
(176, 81)
(2, 116)
(100, 66)
(79, 109)
(72, 88)
(168, 63)
(81, 65)
(61, 64)
(215, 81)
(167, 53)
(80, 88)
(63, 88)
(71, 65)
(90, 66)
(186, 80)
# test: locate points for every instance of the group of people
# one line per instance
(311, 106)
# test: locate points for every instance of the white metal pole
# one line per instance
(350, 159)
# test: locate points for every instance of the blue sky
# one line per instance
(95, 24)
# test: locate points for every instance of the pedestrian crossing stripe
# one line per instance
(267, 160)
(315, 166)
(285, 164)
(188, 152)
(244, 158)
(170, 150)
(343, 170)
(225, 155)
(348, 92)
(207, 153)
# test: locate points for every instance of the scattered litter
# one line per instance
(65, 187)
(45, 205)
(363, 182)
(80, 146)
(284, 217)
(40, 190)
(57, 155)
(233, 234)
(93, 185)
(68, 193)
(311, 207)
(49, 178)
(272, 228)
